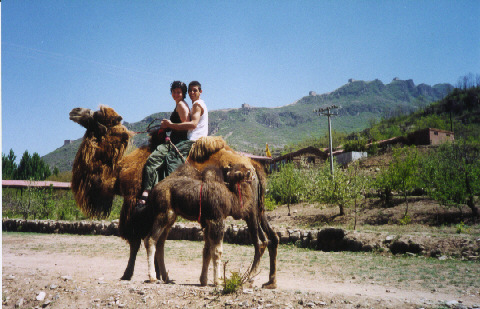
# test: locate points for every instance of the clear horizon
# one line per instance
(59, 54)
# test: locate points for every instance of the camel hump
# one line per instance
(205, 146)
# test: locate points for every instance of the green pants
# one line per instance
(163, 161)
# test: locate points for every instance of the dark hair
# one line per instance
(195, 83)
(178, 84)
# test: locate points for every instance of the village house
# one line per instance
(430, 136)
(310, 155)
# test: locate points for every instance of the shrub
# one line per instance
(235, 282)
(232, 284)
(270, 203)
(372, 150)
(405, 220)
(461, 228)
(356, 145)
(40, 203)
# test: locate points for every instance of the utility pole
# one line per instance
(326, 112)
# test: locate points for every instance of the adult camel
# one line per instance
(101, 170)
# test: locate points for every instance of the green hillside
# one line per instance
(459, 112)
(249, 128)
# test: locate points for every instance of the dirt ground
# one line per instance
(84, 271)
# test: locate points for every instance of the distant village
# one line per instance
(315, 156)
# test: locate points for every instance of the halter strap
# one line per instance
(200, 208)
(240, 195)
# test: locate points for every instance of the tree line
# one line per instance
(31, 167)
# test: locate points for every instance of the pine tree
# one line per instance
(9, 167)
(32, 167)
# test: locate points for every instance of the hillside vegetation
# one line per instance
(459, 112)
(249, 128)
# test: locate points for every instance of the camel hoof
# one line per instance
(151, 280)
(126, 277)
(169, 281)
(270, 285)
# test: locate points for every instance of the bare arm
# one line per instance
(197, 112)
(183, 111)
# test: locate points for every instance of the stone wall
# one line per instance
(327, 239)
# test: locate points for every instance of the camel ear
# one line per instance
(82, 116)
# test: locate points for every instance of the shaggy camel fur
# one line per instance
(101, 170)
(207, 200)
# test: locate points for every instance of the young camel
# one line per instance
(207, 200)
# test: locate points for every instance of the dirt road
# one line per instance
(83, 272)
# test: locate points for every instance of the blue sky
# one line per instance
(61, 54)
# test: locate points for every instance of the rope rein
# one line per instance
(176, 149)
(149, 128)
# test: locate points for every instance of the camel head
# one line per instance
(82, 116)
(239, 173)
(97, 122)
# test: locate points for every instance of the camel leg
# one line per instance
(159, 234)
(216, 248)
(206, 256)
(160, 257)
(150, 245)
(272, 251)
(259, 245)
(134, 246)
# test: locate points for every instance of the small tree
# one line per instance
(405, 169)
(401, 174)
(384, 184)
(46, 203)
(333, 190)
(29, 203)
(359, 183)
(452, 175)
(285, 185)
